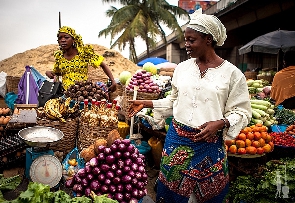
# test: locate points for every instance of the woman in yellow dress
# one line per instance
(73, 59)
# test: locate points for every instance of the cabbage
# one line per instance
(124, 76)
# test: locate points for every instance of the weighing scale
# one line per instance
(41, 164)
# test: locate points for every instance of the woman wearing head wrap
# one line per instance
(283, 84)
(209, 103)
(73, 59)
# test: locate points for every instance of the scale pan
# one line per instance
(40, 136)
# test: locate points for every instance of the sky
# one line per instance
(28, 24)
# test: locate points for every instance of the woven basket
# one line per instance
(250, 75)
(88, 134)
(118, 92)
(12, 83)
(69, 129)
(267, 78)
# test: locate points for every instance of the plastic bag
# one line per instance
(3, 83)
(10, 98)
(70, 170)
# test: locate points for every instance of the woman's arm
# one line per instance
(108, 72)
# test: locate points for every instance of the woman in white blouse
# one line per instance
(209, 103)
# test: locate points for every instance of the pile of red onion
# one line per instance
(118, 170)
(143, 80)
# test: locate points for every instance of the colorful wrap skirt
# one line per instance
(192, 168)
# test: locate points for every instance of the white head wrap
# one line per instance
(208, 24)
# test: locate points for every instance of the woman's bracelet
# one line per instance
(225, 124)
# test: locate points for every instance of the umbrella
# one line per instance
(271, 42)
(154, 60)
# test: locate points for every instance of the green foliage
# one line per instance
(263, 188)
(8, 184)
(40, 193)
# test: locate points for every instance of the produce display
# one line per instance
(284, 116)
(258, 86)
(118, 171)
(251, 140)
(58, 109)
(143, 80)
(262, 112)
(283, 139)
(82, 90)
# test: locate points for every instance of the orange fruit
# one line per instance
(242, 150)
(267, 148)
(268, 138)
(260, 150)
(233, 149)
(242, 136)
(262, 142)
(263, 135)
(250, 136)
(240, 143)
(271, 144)
(258, 124)
(257, 135)
(248, 142)
(251, 150)
(256, 144)
(229, 142)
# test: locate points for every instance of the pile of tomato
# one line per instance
(283, 139)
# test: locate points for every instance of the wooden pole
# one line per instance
(59, 19)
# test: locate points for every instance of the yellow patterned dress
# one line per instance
(75, 69)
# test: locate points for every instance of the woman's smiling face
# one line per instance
(195, 42)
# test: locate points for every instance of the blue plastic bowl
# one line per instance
(279, 128)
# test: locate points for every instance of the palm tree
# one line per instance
(143, 19)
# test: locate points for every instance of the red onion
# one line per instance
(120, 188)
(116, 180)
(88, 168)
(107, 151)
(126, 179)
(81, 172)
(119, 197)
(104, 189)
(122, 147)
(110, 159)
(90, 176)
(134, 167)
(101, 177)
(114, 147)
(84, 182)
(127, 196)
(101, 156)
(126, 169)
(112, 188)
(114, 167)
(70, 183)
(96, 170)
(95, 185)
(107, 181)
(87, 192)
(128, 187)
(101, 148)
(110, 174)
(93, 162)
(105, 167)
(126, 154)
(119, 172)
(118, 154)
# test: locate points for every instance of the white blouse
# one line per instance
(221, 93)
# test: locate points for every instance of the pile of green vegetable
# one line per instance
(275, 184)
(284, 116)
(262, 112)
(40, 193)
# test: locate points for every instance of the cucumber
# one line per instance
(259, 106)
(260, 102)
(255, 114)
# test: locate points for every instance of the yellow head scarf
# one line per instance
(208, 24)
(85, 50)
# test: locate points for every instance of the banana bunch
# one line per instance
(58, 108)
(52, 109)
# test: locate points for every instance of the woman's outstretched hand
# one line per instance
(113, 87)
(134, 108)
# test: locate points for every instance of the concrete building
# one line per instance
(244, 21)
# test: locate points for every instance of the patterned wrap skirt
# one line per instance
(188, 167)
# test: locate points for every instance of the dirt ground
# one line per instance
(41, 58)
